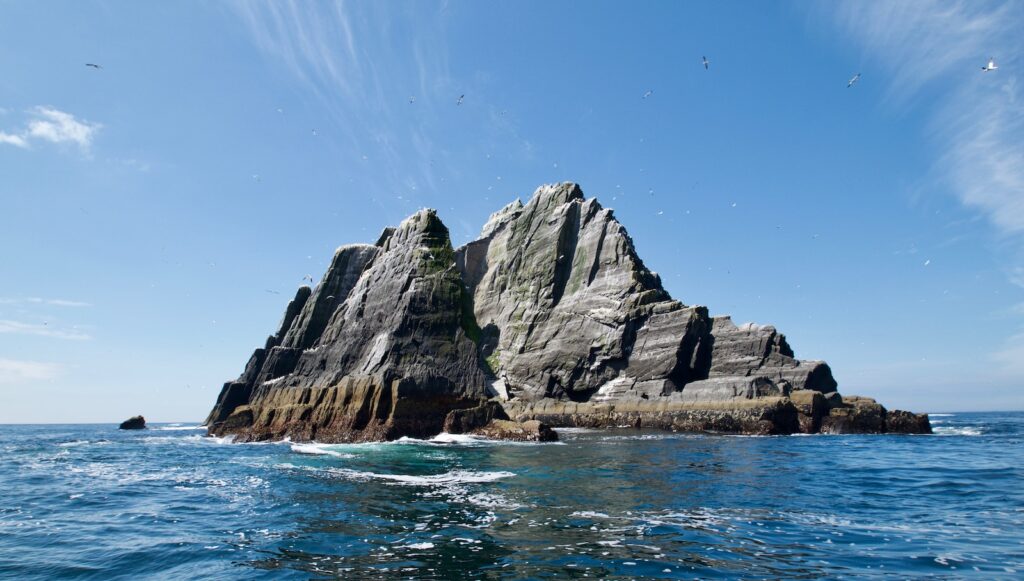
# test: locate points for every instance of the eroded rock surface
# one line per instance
(550, 314)
(377, 351)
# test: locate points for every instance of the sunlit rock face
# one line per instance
(550, 312)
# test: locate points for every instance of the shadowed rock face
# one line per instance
(133, 423)
(551, 312)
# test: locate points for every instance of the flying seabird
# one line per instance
(461, 97)
(706, 62)
(853, 80)
(991, 66)
(95, 66)
(308, 277)
(648, 94)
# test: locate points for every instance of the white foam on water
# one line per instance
(576, 430)
(487, 500)
(319, 450)
(420, 546)
(589, 514)
(664, 436)
(452, 477)
(73, 443)
(446, 438)
(957, 431)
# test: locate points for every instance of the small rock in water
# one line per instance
(135, 423)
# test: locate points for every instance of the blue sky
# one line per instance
(159, 211)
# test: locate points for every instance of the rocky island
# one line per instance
(548, 319)
(133, 423)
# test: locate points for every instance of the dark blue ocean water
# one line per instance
(88, 501)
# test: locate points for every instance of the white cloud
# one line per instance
(979, 120)
(14, 370)
(44, 330)
(15, 140)
(42, 301)
(362, 61)
(53, 126)
(60, 127)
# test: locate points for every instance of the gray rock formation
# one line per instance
(377, 351)
(551, 313)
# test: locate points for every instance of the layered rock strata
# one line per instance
(551, 315)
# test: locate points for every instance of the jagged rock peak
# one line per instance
(501, 217)
(550, 311)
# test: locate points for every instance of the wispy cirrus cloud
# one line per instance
(42, 301)
(17, 370)
(362, 62)
(381, 74)
(978, 120)
(47, 124)
(41, 330)
(931, 53)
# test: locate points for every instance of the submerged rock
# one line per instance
(134, 423)
(549, 316)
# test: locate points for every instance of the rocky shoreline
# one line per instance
(548, 319)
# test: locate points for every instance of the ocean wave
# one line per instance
(451, 477)
(446, 439)
(576, 430)
(74, 443)
(663, 436)
(957, 431)
(419, 546)
(589, 514)
(315, 449)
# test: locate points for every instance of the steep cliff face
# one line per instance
(377, 351)
(567, 309)
(551, 312)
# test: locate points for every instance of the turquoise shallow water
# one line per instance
(88, 501)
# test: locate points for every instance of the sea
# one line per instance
(93, 502)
